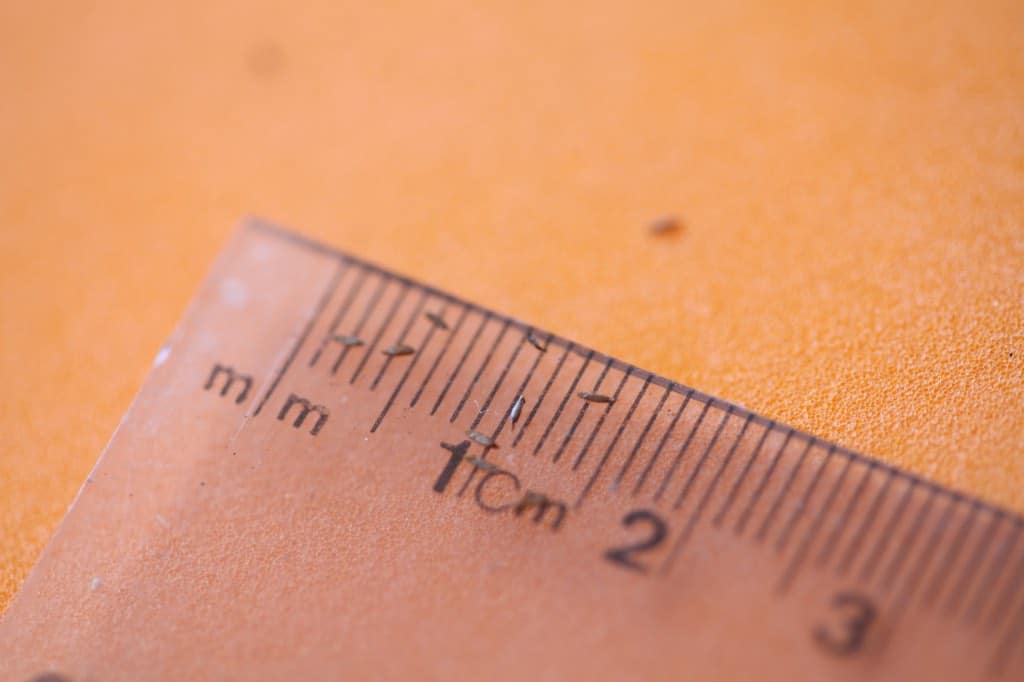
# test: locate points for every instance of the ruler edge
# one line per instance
(260, 224)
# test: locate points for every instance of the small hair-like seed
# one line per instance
(437, 320)
(530, 499)
(480, 438)
(517, 408)
(347, 340)
(535, 342)
(596, 397)
(664, 225)
(482, 464)
(399, 349)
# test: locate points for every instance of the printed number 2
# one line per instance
(624, 555)
(859, 612)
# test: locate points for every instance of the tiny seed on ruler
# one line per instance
(664, 225)
(399, 349)
(437, 320)
(530, 499)
(480, 438)
(596, 397)
(532, 338)
(517, 408)
(346, 340)
(482, 464)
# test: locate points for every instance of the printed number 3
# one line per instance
(859, 612)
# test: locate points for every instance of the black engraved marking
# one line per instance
(305, 407)
(336, 320)
(628, 463)
(825, 553)
(370, 307)
(995, 570)
(660, 443)
(744, 518)
(458, 367)
(400, 348)
(600, 422)
(730, 498)
(561, 405)
(332, 285)
(904, 548)
(698, 511)
(476, 377)
(543, 393)
(883, 540)
(858, 614)
(440, 355)
(866, 523)
(975, 560)
(579, 415)
(380, 333)
(700, 463)
(762, 532)
(949, 558)
(796, 563)
(615, 440)
(405, 376)
(230, 377)
(679, 455)
(801, 505)
(623, 556)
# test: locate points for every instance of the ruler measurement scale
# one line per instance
(866, 547)
(707, 403)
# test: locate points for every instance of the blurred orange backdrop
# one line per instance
(851, 179)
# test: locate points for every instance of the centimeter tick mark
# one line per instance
(338, 316)
(678, 458)
(480, 371)
(615, 439)
(600, 422)
(700, 462)
(661, 443)
(505, 416)
(708, 491)
(403, 292)
(543, 393)
(401, 338)
(444, 349)
(866, 523)
(579, 415)
(744, 518)
(318, 310)
(949, 558)
(762, 532)
(730, 498)
(458, 367)
(643, 434)
(797, 560)
(974, 561)
(825, 553)
(561, 405)
(408, 370)
(371, 305)
(801, 505)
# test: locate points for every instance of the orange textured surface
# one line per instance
(851, 180)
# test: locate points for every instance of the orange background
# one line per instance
(851, 179)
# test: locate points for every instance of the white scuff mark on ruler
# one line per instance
(162, 355)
